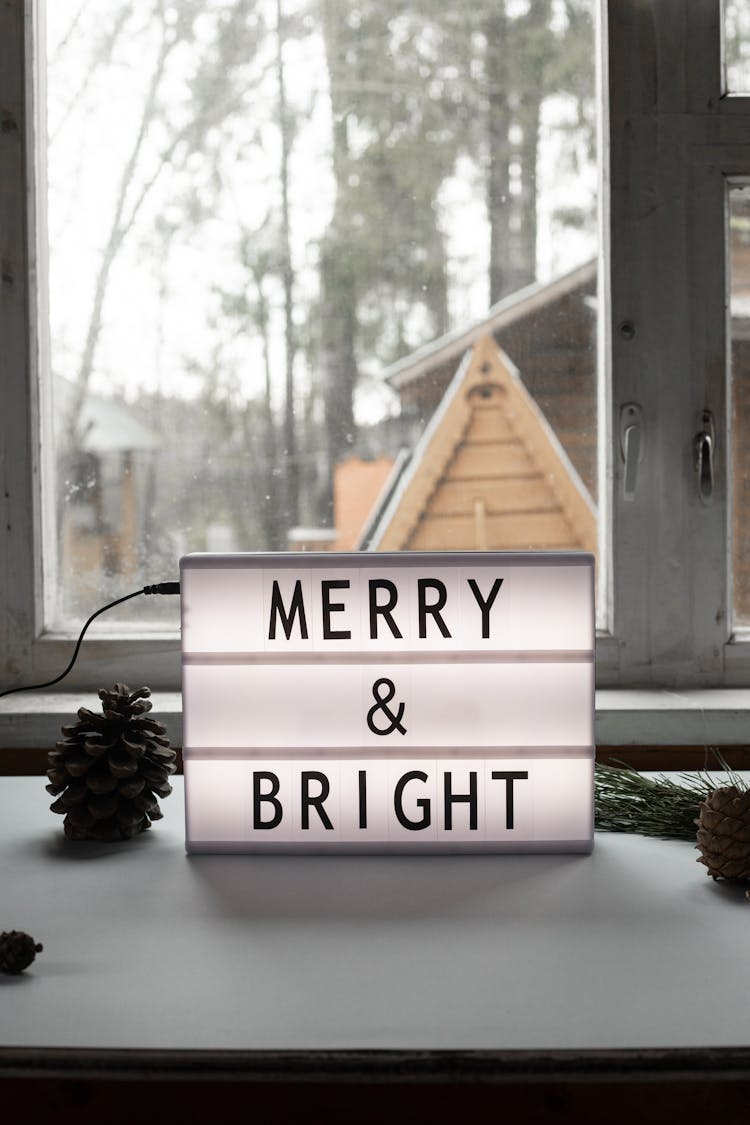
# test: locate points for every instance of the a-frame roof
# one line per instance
(488, 474)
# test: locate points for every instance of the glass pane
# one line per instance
(737, 45)
(739, 226)
(276, 229)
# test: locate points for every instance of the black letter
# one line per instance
(452, 798)
(259, 798)
(362, 799)
(383, 610)
(510, 777)
(423, 585)
(330, 607)
(325, 788)
(422, 803)
(287, 620)
(485, 606)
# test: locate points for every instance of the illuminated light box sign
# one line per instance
(388, 702)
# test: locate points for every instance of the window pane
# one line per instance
(321, 275)
(739, 226)
(737, 45)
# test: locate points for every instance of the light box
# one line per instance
(388, 702)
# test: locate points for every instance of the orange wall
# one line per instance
(357, 485)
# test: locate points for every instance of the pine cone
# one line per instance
(17, 951)
(110, 767)
(724, 833)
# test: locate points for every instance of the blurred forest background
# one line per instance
(256, 206)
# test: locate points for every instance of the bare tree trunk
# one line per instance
(119, 227)
(292, 469)
(437, 285)
(535, 46)
(497, 77)
(272, 517)
(514, 64)
(338, 284)
(123, 219)
(338, 329)
(103, 57)
(528, 119)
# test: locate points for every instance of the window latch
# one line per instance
(705, 441)
(631, 446)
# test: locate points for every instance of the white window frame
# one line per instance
(30, 652)
(669, 668)
(676, 139)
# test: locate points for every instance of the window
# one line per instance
(670, 557)
(264, 270)
(737, 46)
(676, 141)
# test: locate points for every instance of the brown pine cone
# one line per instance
(724, 833)
(110, 768)
(17, 951)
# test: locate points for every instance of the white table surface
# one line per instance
(633, 946)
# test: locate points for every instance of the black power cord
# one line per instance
(159, 588)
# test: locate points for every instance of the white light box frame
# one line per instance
(388, 702)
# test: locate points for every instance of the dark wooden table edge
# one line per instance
(379, 1066)
(32, 761)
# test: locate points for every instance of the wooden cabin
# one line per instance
(106, 490)
(488, 474)
(549, 332)
(508, 458)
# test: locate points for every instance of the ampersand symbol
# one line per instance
(382, 699)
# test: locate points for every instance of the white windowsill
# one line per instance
(624, 717)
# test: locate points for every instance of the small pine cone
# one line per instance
(17, 951)
(724, 833)
(110, 768)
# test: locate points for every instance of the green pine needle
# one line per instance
(626, 801)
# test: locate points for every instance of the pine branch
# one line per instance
(626, 801)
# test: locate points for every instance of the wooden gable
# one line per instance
(488, 474)
(549, 331)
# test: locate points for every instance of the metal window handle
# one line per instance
(704, 458)
(631, 446)
(632, 450)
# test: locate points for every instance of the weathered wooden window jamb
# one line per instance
(674, 140)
